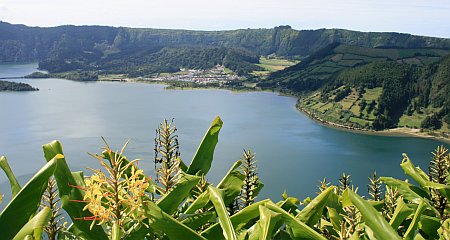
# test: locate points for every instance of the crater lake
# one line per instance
(293, 152)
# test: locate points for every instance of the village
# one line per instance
(218, 74)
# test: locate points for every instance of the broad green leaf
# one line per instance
(201, 201)
(414, 172)
(231, 183)
(419, 236)
(163, 222)
(26, 202)
(430, 225)
(195, 221)
(201, 163)
(312, 213)
(409, 191)
(74, 233)
(415, 221)
(138, 231)
(335, 218)
(70, 194)
(216, 197)
(297, 229)
(372, 218)
(401, 212)
(282, 235)
(266, 224)
(289, 204)
(169, 203)
(239, 221)
(15, 186)
(35, 226)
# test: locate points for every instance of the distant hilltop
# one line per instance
(20, 43)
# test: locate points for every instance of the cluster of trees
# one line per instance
(72, 75)
(406, 88)
(146, 62)
(120, 201)
(15, 86)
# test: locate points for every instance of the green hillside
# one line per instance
(68, 48)
(372, 93)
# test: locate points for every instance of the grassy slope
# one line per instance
(348, 111)
(272, 65)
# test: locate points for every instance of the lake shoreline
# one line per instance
(394, 132)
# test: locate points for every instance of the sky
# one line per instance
(420, 17)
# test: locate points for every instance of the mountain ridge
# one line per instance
(20, 43)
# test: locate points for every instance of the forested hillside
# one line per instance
(143, 62)
(399, 88)
(67, 48)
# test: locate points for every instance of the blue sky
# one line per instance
(431, 17)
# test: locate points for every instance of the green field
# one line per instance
(272, 65)
(348, 110)
(372, 94)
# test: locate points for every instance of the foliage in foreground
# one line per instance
(120, 201)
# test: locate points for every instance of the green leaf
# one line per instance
(70, 195)
(201, 201)
(372, 218)
(195, 221)
(402, 211)
(138, 231)
(289, 204)
(201, 163)
(335, 218)
(430, 225)
(216, 195)
(15, 186)
(231, 184)
(26, 202)
(409, 191)
(266, 224)
(298, 229)
(169, 203)
(239, 221)
(35, 226)
(419, 236)
(163, 222)
(282, 235)
(415, 221)
(312, 213)
(414, 172)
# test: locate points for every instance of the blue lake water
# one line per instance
(293, 152)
